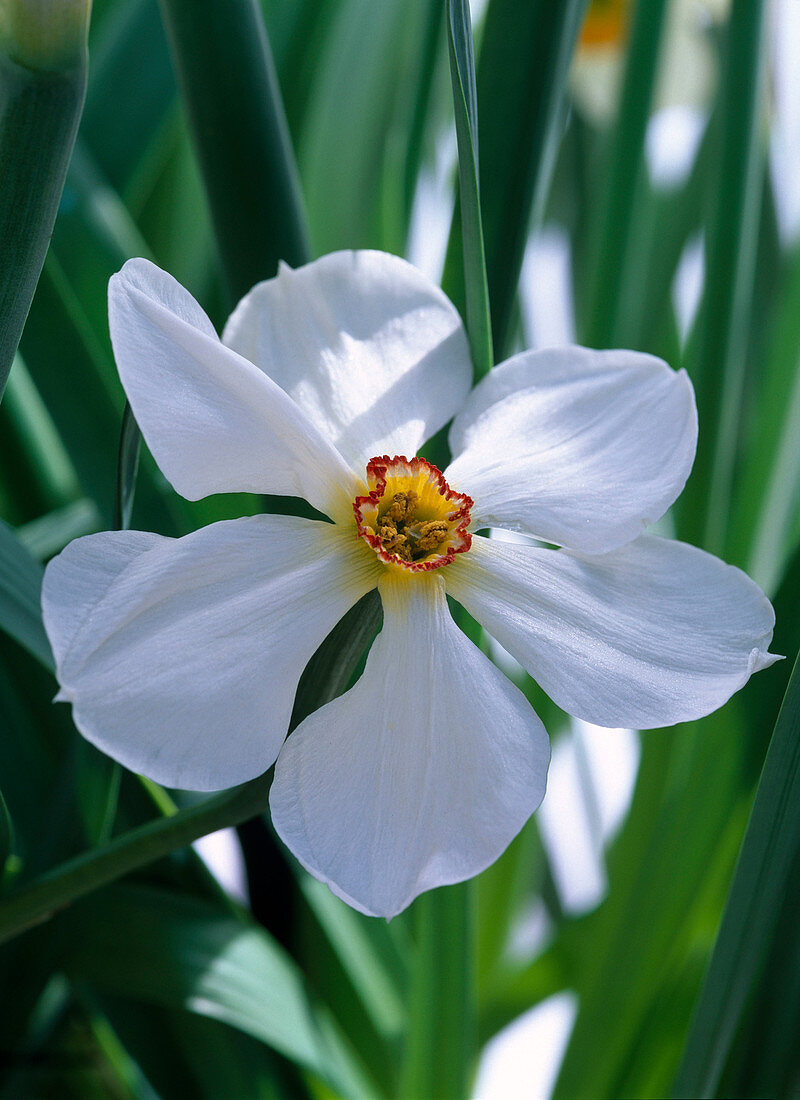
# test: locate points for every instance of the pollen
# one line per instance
(411, 517)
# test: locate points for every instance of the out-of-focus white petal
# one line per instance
(214, 422)
(371, 351)
(181, 660)
(418, 776)
(654, 633)
(577, 447)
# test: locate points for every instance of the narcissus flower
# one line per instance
(181, 657)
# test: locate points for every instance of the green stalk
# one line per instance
(42, 87)
(522, 83)
(472, 256)
(613, 240)
(55, 889)
(717, 356)
(441, 1037)
(230, 89)
(329, 670)
(767, 855)
(127, 467)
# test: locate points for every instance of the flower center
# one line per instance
(411, 517)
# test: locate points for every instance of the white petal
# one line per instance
(214, 422)
(576, 447)
(371, 350)
(183, 661)
(418, 776)
(655, 633)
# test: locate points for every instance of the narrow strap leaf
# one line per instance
(20, 588)
(230, 89)
(127, 467)
(184, 952)
(522, 101)
(716, 359)
(770, 846)
(462, 72)
(39, 113)
(615, 222)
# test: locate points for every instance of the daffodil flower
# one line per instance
(181, 657)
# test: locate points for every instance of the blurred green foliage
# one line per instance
(160, 985)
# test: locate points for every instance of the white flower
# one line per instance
(181, 657)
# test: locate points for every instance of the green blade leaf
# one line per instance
(367, 953)
(462, 72)
(771, 844)
(20, 589)
(522, 85)
(360, 115)
(40, 108)
(614, 221)
(230, 89)
(333, 665)
(185, 952)
(766, 501)
(441, 1040)
(127, 467)
(131, 90)
(50, 533)
(716, 358)
(8, 857)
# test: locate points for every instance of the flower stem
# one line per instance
(55, 889)
(439, 1051)
(327, 675)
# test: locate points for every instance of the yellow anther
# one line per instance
(403, 506)
(431, 534)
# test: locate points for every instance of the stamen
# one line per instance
(403, 506)
(431, 534)
(411, 517)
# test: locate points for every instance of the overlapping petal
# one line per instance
(182, 656)
(577, 447)
(422, 773)
(654, 633)
(214, 422)
(371, 351)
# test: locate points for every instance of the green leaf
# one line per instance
(687, 817)
(9, 861)
(130, 92)
(231, 93)
(39, 113)
(183, 952)
(368, 955)
(360, 968)
(363, 119)
(334, 666)
(615, 220)
(767, 499)
(47, 535)
(20, 591)
(716, 357)
(770, 847)
(439, 1052)
(462, 72)
(181, 1053)
(36, 468)
(83, 394)
(127, 468)
(522, 100)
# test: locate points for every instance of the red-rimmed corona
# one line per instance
(411, 517)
